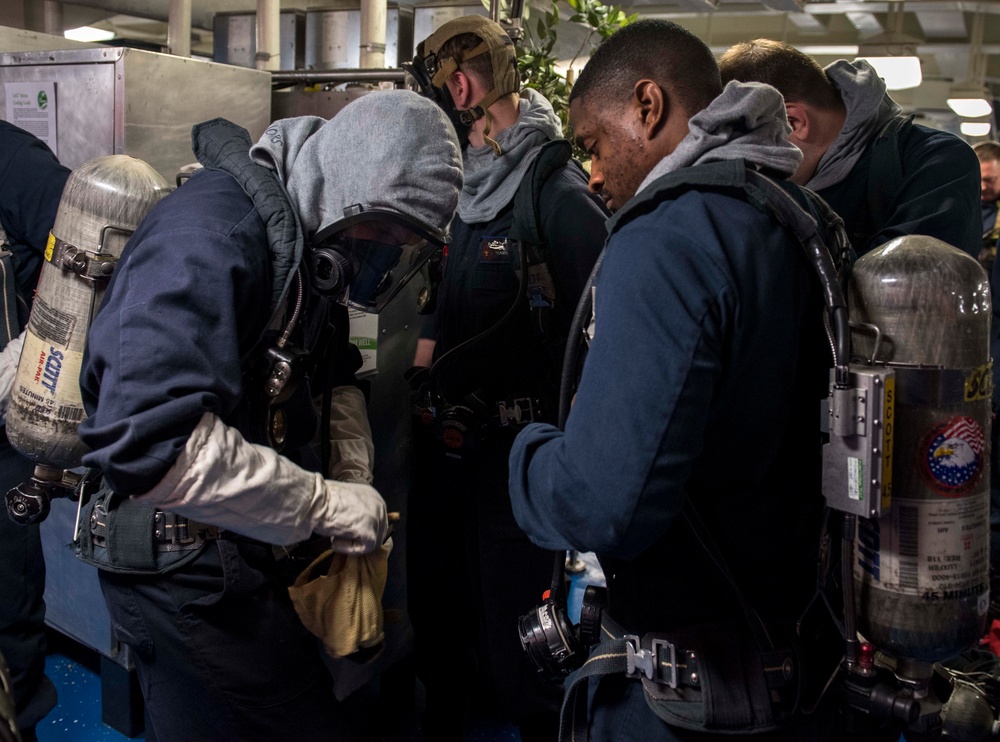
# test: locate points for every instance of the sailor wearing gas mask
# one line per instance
(224, 318)
(525, 237)
(687, 462)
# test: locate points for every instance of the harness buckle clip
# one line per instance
(171, 528)
(516, 411)
(646, 662)
(639, 661)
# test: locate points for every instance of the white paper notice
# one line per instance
(32, 106)
(364, 334)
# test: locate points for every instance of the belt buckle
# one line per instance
(671, 674)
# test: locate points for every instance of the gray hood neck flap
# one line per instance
(869, 109)
(745, 122)
(491, 180)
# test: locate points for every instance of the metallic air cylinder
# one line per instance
(921, 571)
(102, 203)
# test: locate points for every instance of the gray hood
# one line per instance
(869, 109)
(746, 121)
(389, 149)
(491, 180)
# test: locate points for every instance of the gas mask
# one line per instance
(367, 257)
(422, 70)
(430, 70)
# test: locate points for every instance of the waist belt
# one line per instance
(722, 692)
(654, 657)
(510, 412)
(170, 532)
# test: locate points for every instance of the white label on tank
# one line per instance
(48, 375)
(855, 479)
(934, 549)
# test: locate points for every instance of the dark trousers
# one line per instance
(467, 588)
(22, 611)
(618, 712)
(220, 652)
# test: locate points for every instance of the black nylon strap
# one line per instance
(885, 174)
(526, 227)
(222, 145)
(9, 323)
(609, 658)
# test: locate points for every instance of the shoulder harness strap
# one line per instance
(734, 177)
(527, 231)
(222, 145)
(885, 174)
(9, 322)
(527, 227)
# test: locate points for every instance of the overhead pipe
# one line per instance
(338, 77)
(53, 12)
(178, 28)
(372, 55)
(268, 34)
(512, 23)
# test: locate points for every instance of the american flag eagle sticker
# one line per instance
(954, 455)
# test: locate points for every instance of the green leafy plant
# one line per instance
(534, 53)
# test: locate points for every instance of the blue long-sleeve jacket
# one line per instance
(188, 298)
(702, 381)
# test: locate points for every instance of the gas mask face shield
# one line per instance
(422, 70)
(365, 259)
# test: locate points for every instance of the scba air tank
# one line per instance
(102, 203)
(922, 568)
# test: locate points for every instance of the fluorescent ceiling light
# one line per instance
(828, 50)
(899, 73)
(88, 33)
(893, 54)
(969, 101)
(971, 108)
(975, 128)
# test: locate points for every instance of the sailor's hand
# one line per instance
(356, 521)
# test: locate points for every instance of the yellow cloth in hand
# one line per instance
(339, 599)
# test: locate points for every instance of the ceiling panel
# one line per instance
(826, 29)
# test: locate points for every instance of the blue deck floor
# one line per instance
(77, 718)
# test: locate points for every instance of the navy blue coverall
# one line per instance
(31, 183)
(491, 574)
